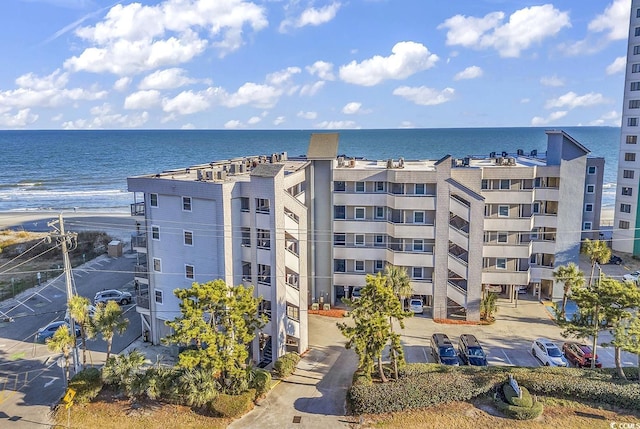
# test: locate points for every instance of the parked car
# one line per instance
(617, 260)
(494, 288)
(90, 308)
(443, 351)
(415, 306)
(122, 298)
(631, 277)
(579, 355)
(471, 351)
(356, 294)
(522, 289)
(548, 353)
(48, 331)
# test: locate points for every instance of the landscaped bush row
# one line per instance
(261, 382)
(285, 366)
(233, 405)
(423, 385)
(87, 384)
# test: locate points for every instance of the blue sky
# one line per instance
(311, 64)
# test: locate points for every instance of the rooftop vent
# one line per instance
(389, 163)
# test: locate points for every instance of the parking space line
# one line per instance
(506, 357)
(424, 351)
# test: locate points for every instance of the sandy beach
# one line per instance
(119, 225)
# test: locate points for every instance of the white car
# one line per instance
(90, 308)
(415, 306)
(631, 277)
(122, 298)
(548, 353)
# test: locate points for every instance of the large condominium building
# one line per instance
(626, 227)
(309, 229)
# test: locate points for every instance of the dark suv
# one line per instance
(443, 351)
(471, 351)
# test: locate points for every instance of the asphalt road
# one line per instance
(30, 379)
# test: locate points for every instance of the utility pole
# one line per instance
(67, 239)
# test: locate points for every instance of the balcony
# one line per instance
(139, 242)
(142, 299)
(141, 271)
(137, 209)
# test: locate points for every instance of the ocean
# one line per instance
(87, 170)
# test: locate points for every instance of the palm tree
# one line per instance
(488, 305)
(399, 281)
(571, 276)
(197, 386)
(62, 342)
(120, 370)
(598, 253)
(107, 321)
(79, 312)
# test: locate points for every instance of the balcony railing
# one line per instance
(142, 300)
(137, 209)
(141, 270)
(139, 240)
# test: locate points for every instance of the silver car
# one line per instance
(122, 298)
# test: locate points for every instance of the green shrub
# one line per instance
(232, 406)
(285, 366)
(520, 413)
(513, 399)
(87, 384)
(261, 382)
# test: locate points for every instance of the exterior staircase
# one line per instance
(266, 355)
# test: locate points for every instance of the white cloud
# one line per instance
(20, 119)
(233, 124)
(134, 38)
(407, 124)
(554, 116)
(312, 89)
(322, 69)
(617, 66)
(469, 73)
(122, 84)
(55, 80)
(254, 120)
(351, 108)
(279, 120)
(311, 16)
(188, 126)
(186, 103)
(551, 81)
(282, 77)
(166, 79)
(525, 27)
(337, 125)
(108, 120)
(307, 115)
(571, 100)
(406, 59)
(525, 100)
(425, 96)
(142, 100)
(611, 118)
(256, 95)
(614, 21)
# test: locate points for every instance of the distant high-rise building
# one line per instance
(626, 227)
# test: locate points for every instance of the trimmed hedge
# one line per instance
(520, 413)
(87, 384)
(232, 406)
(285, 366)
(513, 399)
(261, 382)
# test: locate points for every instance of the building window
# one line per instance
(484, 184)
(359, 213)
(293, 312)
(379, 241)
(637, 31)
(535, 207)
(339, 266)
(158, 296)
(627, 191)
(629, 156)
(359, 266)
(625, 208)
(503, 211)
(588, 207)
(339, 186)
(418, 217)
(632, 139)
(262, 205)
(501, 263)
(186, 204)
(264, 274)
(246, 271)
(505, 183)
(586, 226)
(244, 204)
(359, 240)
(636, 50)
(634, 104)
(638, 13)
(628, 174)
(153, 200)
(379, 265)
(534, 234)
(591, 189)
(503, 237)
(264, 238)
(420, 189)
(379, 211)
(635, 86)
(418, 245)
(635, 68)
(417, 272)
(157, 265)
(339, 239)
(155, 232)
(380, 186)
(189, 271)
(339, 212)
(623, 224)
(246, 236)
(359, 186)
(591, 169)
(632, 122)
(188, 238)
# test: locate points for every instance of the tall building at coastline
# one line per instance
(626, 226)
(309, 229)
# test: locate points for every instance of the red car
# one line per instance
(579, 355)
